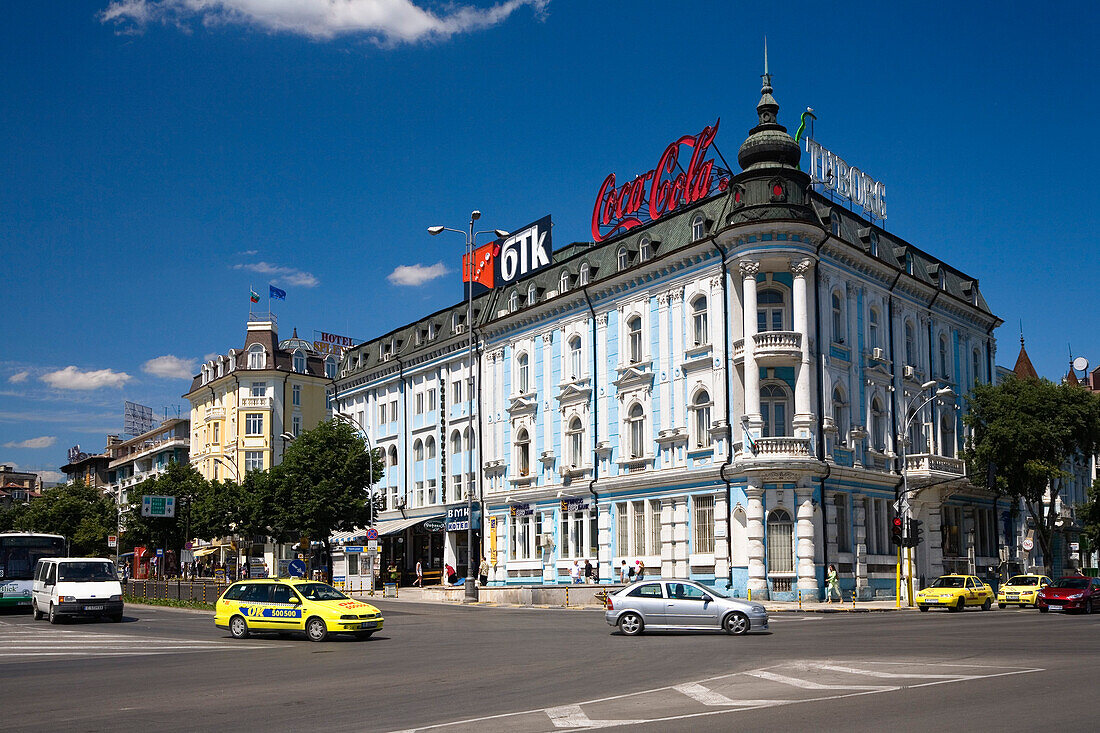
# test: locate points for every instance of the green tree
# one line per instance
(322, 485)
(82, 513)
(1089, 514)
(197, 513)
(1023, 433)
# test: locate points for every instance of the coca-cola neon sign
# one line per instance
(661, 190)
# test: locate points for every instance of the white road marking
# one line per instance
(886, 675)
(571, 716)
(807, 685)
(26, 643)
(708, 696)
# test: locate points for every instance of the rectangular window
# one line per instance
(431, 400)
(654, 527)
(419, 493)
(296, 395)
(296, 425)
(843, 533)
(217, 433)
(456, 392)
(259, 389)
(254, 423)
(419, 403)
(254, 460)
(393, 411)
(593, 534)
(622, 528)
(382, 414)
(702, 521)
(638, 521)
(431, 491)
(353, 563)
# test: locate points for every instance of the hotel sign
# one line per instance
(660, 191)
(846, 181)
(329, 343)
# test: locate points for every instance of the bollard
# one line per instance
(800, 599)
(567, 596)
(750, 594)
(853, 599)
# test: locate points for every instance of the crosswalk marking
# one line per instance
(27, 643)
(708, 696)
(888, 675)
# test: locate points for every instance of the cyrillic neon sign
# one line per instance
(657, 192)
(830, 170)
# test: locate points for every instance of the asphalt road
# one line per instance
(453, 668)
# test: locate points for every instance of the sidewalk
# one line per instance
(453, 596)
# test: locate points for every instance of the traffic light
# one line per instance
(915, 535)
(896, 530)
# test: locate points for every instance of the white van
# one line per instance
(76, 586)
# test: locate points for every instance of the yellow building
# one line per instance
(243, 403)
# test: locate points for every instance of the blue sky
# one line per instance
(158, 161)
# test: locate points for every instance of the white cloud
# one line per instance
(389, 22)
(249, 252)
(44, 442)
(72, 378)
(416, 274)
(170, 367)
(19, 377)
(288, 275)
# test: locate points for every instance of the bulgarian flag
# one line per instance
(253, 296)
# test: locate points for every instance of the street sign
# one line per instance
(112, 540)
(372, 546)
(188, 545)
(372, 534)
(1074, 546)
(1028, 543)
(160, 552)
(158, 506)
(297, 568)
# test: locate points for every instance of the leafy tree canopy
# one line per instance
(82, 513)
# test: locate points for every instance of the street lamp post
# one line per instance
(903, 500)
(468, 277)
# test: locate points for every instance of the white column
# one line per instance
(752, 372)
(859, 513)
(807, 578)
(665, 363)
(803, 407)
(754, 516)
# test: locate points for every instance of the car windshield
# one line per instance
(319, 592)
(1071, 583)
(1023, 580)
(85, 571)
(949, 582)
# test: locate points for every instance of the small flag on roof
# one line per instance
(253, 296)
(276, 293)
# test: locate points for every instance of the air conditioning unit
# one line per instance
(909, 372)
(546, 541)
(878, 354)
(387, 356)
(459, 328)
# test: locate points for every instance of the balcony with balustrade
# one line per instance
(929, 468)
(256, 403)
(775, 449)
(771, 348)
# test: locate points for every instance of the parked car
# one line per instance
(664, 604)
(72, 587)
(1072, 593)
(956, 592)
(1021, 590)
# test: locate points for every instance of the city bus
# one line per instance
(19, 553)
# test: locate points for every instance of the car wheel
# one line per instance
(35, 613)
(54, 618)
(1088, 606)
(736, 624)
(1001, 606)
(923, 609)
(316, 629)
(631, 624)
(238, 627)
(961, 604)
(1043, 609)
(988, 604)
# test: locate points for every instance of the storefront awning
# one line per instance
(348, 536)
(204, 551)
(391, 527)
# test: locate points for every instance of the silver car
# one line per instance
(664, 603)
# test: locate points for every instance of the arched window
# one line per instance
(622, 258)
(532, 294)
(330, 367)
(838, 319)
(698, 227)
(429, 448)
(699, 320)
(584, 274)
(523, 382)
(418, 451)
(575, 369)
(943, 357)
(840, 416)
(770, 310)
(947, 431)
(456, 444)
(221, 367)
(256, 356)
(834, 224)
(468, 438)
(774, 407)
(563, 281)
(636, 430)
(299, 361)
(575, 440)
(910, 345)
(513, 302)
(634, 339)
(878, 425)
(523, 452)
(701, 406)
(976, 365)
(942, 279)
(780, 542)
(873, 328)
(908, 263)
(645, 249)
(874, 244)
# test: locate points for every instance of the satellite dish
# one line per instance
(1081, 364)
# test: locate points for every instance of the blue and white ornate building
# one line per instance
(729, 393)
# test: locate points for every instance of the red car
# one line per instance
(1072, 593)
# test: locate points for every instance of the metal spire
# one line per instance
(767, 76)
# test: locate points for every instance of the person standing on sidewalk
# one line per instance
(483, 572)
(832, 583)
(624, 573)
(575, 572)
(419, 582)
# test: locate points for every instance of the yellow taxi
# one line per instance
(1021, 590)
(292, 604)
(956, 592)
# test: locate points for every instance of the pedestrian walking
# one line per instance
(575, 572)
(588, 572)
(624, 574)
(832, 583)
(419, 582)
(639, 571)
(483, 572)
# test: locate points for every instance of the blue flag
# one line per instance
(276, 294)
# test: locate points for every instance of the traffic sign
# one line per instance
(112, 540)
(160, 552)
(158, 506)
(372, 545)
(372, 534)
(1028, 543)
(297, 568)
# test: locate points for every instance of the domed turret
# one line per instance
(768, 145)
(294, 342)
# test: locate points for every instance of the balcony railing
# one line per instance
(771, 448)
(928, 463)
(215, 413)
(252, 403)
(771, 347)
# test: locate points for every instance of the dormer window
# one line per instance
(874, 244)
(256, 357)
(908, 263)
(563, 282)
(645, 249)
(330, 367)
(532, 294)
(834, 224)
(299, 361)
(431, 331)
(513, 302)
(584, 274)
(698, 227)
(623, 258)
(942, 279)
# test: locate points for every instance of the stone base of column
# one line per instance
(759, 589)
